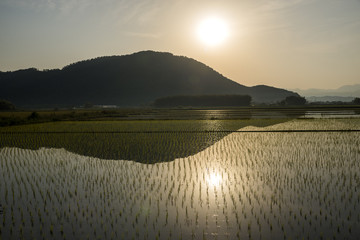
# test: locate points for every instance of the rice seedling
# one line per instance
(247, 185)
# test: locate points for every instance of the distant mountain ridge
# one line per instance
(129, 80)
(343, 93)
(329, 99)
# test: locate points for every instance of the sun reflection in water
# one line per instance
(214, 179)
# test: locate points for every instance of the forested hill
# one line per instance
(130, 80)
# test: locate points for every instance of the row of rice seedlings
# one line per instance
(249, 185)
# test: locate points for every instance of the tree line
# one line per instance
(6, 105)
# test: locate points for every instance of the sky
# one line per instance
(282, 43)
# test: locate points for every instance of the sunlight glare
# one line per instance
(214, 179)
(213, 31)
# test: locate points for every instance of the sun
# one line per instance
(212, 31)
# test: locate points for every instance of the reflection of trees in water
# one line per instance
(293, 113)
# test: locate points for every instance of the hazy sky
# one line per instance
(283, 43)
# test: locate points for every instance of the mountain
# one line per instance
(130, 80)
(345, 93)
(329, 99)
(349, 88)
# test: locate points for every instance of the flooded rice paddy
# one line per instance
(247, 185)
